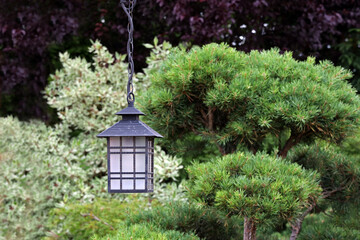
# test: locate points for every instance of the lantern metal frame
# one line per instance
(131, 126)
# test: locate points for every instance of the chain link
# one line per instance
(128, 7)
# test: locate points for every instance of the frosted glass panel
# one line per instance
(128, 184)
(127, 142)
(128, 163)
(115, 150)
(140, 184)
(114, 162)
(140, 162)
(115, 184)
(140, 141)
(140, 150)
(140, 175)
(114, 175)
(115, 142)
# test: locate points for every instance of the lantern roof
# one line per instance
(130, 125)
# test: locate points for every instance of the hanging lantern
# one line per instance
(130, 154)
(130, 142)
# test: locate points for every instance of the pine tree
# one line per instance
(232, 98)
(260, 188)
(240, 101)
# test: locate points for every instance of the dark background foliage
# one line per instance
(33, 32)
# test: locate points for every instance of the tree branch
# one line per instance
(293, 140)
(97, 219)
(210, 119)
(296, 226)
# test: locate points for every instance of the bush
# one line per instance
(146, 231)
(233, 98)
(340, 173)
(45, 167)
(206, 223)
(98, 90)
(38, 170)
(327, 226)
(82, 221)
(87, 94)
(261, 188)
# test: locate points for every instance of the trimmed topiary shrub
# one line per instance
(232, 98)
(261, 188)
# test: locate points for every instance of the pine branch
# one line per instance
(293, 140)
(296, 227)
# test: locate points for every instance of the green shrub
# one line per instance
(38, 170)
(87, 94)
(84, 93)
(101, 217)
(206, 223)
(233, 98)
(97, 91)
(261, 188)
(146, 231)
(340, 173)
(45, 167)
(321, 226)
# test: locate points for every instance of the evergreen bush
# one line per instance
(231, 98)
(253, 101)
(327, 226)
(206, 223)
(340, 173)
(261, 188)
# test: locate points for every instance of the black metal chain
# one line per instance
(130, 48)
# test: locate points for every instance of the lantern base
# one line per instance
(130, 191)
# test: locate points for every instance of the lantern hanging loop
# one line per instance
(130, 48)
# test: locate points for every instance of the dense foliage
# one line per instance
(207, 223)
(233, 98)
(84, 220)
(85, 94)
(38, 170)
(45, 167)
(350, 55)
(213, 100)
(340, 173)
(257, 101)
(329, 226)
(147, 231)
(261, 188)
(29, 30)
